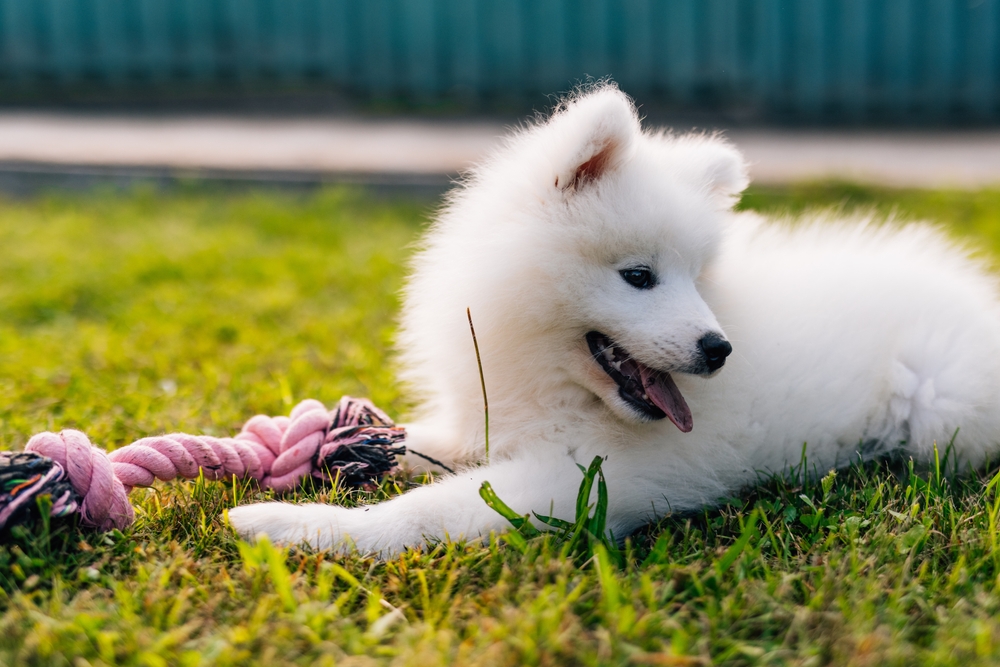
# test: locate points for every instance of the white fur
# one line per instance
(854, 337)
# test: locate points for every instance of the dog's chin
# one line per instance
(626, 410)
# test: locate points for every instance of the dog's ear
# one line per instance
(592, 135)
(713, 163)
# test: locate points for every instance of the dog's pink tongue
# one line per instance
(664, 394)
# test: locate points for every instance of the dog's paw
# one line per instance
(318, 526)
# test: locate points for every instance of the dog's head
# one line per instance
(579, 247)
(640, 216)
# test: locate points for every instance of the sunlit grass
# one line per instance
(126, 315)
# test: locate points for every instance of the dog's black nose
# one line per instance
(716, 349)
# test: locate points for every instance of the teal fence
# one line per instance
(832, 58)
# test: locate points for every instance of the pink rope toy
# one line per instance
(353, 443)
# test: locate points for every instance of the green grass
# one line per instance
(127, 315)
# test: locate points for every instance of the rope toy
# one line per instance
(354, 444)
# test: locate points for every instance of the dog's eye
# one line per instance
(640, 278)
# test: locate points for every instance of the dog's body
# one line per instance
(605, 273)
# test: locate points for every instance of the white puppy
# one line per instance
(609, 280)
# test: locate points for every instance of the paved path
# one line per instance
(911, 159)
(407, 149)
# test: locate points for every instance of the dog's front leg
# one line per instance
(448, 508)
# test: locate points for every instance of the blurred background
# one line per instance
(411, 91)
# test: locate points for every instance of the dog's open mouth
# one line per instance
(651, 392)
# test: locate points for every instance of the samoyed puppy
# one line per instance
(623, 310)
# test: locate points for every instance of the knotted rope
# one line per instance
(355, 444)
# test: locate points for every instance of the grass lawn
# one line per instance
(129, 315)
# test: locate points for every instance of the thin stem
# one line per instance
(482, 381)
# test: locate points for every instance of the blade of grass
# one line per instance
(482, 381)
